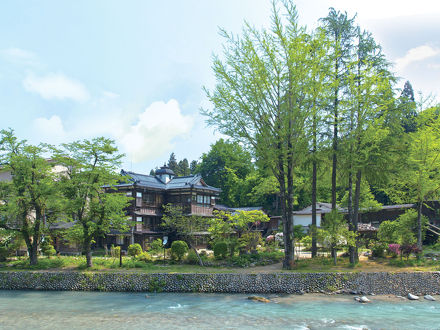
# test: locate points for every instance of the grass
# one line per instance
(263, 262)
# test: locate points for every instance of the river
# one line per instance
(110, 310)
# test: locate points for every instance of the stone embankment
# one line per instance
(297, 283)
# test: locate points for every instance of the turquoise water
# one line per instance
(101, 310)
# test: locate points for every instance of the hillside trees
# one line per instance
(261, 99)
(29, 201)
(90, 172)
(421, 178)
(226, 166)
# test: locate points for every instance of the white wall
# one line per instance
(306, 219)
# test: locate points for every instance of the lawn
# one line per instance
(320, 264)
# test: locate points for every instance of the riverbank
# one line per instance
(377, 283)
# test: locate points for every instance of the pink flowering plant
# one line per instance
(394, 250)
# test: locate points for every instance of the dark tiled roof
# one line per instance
(178, 182)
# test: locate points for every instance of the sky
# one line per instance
(134, 70)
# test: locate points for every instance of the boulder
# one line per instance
(413, 297)
(364, 300)
(258, 298)
(429, 297)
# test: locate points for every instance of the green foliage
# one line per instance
(91, 165)
(334, 232)
(402, 230)
(249, 241)
(115, 251)
(226, 166)
(156, 246)
(191, 258)
(134, 249)
(47, 247)
(178, 249)
(31, 195)
(144, 256)
(378, 249)
(387, 232)
(220, 250)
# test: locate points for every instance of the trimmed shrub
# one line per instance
(134, 250)
(191, 258)
(144, 256)
(115, 251)
(378, 249)
(47, 248)
(178, 249)
(156, 245)
(220, 250)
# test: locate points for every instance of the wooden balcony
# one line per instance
(197, 209)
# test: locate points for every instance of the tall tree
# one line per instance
(183, 168)
(407, 107)
(420, 178)
(260, 99)
(369, 93)
(172, 162)
(87, 186)
(193, 167)
(226, 166)
(29, 201)
(341, 32)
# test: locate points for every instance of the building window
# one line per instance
(202, 199)
(128, 194)
(149, 198)
(138, 194)
(138, 219)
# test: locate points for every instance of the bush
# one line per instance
(47, 248)
(178, 249)
(191, 258)
(115, 251)
(144, 256)
(156, 245)
(134, 250)
(378, 249)
(407, 249)
(220, 250)
(394, 250)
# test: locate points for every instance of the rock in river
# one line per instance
(412, 297)
(260, 299)
(429, 297)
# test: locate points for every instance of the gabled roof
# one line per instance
(178, 182)
(321, 208)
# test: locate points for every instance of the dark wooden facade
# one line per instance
(151, 193)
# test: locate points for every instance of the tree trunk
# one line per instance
(351, 249)
(288, 253)
(419, 226)
(357, 194)
(33, 254)
(314, 247)
(197, 254)
(314, 179)
(335, 138)
(87, 249)
(334, 255)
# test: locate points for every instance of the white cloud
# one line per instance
(56, 86)
(154, 131)
(416, 54)
(19, 56)
(50, 130)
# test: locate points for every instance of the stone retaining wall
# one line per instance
(377, 283)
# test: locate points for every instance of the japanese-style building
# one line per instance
(151, 192)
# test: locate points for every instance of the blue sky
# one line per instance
(134, 70)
